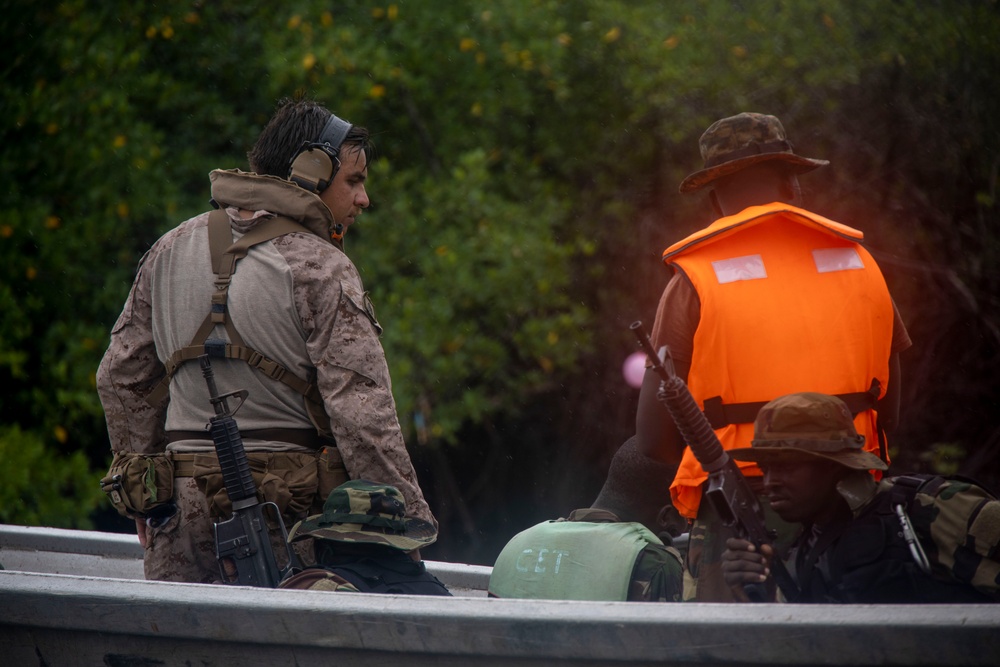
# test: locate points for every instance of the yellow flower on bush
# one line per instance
(52, 222)
(309, 61)
(377, 91)
(466, 45)
(613, 35)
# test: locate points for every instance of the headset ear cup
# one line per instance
(313, 169)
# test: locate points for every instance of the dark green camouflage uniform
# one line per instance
(868, 561)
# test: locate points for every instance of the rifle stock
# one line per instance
(727, 489)
(243, 543)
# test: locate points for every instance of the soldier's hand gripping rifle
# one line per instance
(242, 543)
(727, 489)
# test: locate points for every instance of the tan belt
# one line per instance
(303, 437)
(184, 461)
(183, 464)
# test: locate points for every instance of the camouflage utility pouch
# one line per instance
(138, 483)
(287, 479)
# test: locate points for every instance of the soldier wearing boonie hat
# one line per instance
(911, 538)
(364, 541)
(747, 318)
(732, 144)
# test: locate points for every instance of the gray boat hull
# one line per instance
(77, 619)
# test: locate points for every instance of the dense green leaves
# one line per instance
(530, 155)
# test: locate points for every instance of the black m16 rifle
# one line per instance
(242, 543)
(727, 489)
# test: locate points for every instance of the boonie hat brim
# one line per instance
(418, 533)
(700, 179)
(790, 451)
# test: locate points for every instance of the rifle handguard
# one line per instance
(728, 489)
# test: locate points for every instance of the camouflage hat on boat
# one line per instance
(807, 425)
(735, 143)
(360, 511)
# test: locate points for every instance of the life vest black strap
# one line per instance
(721, 414)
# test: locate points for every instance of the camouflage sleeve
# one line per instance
(318, 579)
(658, 575)
(127, 374)
(352, 374)
(963, 521)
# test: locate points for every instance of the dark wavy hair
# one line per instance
(294, 122)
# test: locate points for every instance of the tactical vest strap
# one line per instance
(225, 254)
(721, 414)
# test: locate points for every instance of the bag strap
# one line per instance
(225, 254)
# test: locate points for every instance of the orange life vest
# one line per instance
(790, 302)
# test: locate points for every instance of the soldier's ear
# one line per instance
(790, 188)
(716, 206)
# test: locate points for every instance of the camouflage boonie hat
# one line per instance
(806, 425)
(363, 511)
(735, 143)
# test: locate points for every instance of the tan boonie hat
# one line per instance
(806, 425)
(735, 143)
(360, 511)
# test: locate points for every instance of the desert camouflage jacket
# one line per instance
(298, 299)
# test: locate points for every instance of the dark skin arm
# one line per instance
(743, 564)
(888, 405)
(656, 434)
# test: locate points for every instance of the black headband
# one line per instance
(334, 132)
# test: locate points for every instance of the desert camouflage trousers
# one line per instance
(181, 547)
(180, 542)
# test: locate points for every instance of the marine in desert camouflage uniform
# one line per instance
(299, 301)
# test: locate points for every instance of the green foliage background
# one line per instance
(530, 153)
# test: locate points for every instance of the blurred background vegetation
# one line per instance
(530, 157)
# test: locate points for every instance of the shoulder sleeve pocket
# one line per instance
(355, 344)
(361, 302)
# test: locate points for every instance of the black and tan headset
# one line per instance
(317, 162)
